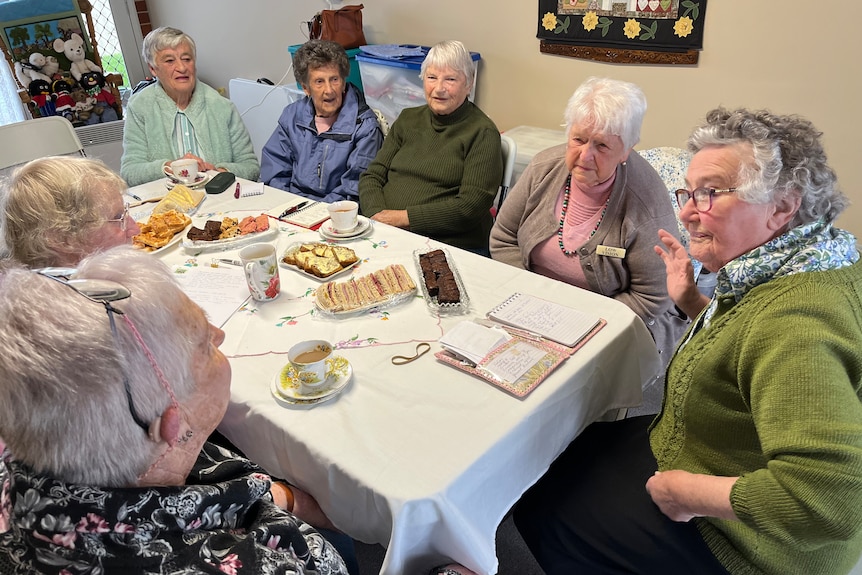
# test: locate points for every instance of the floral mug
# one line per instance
(261, 271)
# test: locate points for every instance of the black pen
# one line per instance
(292, 209)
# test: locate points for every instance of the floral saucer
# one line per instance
(285, 385)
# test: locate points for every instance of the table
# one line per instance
(422, 458)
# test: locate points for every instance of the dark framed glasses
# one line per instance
(101, 292)
(702, 197)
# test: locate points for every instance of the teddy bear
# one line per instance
(86, 109)
(32, 69)
(94, 84)
(40, 96)
(74, 51)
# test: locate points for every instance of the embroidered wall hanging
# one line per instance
(623, 31)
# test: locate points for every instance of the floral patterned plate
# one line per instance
(285, 384)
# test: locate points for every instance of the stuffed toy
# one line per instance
(74, 51)
(63, 100)
(51, 68)
(40, 94)
(28, 70)
(94, 84)
(86, 110)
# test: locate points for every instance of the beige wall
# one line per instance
(791, 57)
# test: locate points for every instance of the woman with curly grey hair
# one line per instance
(323, 142)
(754, 464)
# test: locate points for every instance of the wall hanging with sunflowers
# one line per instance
(624, 31)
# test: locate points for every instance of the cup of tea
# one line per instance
(260, 263)
(343, 215)
(184, 170)
(308, 359)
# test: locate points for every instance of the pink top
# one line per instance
(582, 216)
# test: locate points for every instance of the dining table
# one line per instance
(420, 457)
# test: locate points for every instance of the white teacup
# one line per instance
(308, 359)
(260, 263)
(184, 170)
(343, 215)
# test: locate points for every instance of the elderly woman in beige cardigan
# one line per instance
(588, 212)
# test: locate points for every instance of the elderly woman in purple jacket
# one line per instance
(324, 141)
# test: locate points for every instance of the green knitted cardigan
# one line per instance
(770, 392)
(444, 170)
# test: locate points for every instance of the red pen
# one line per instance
(236, 192)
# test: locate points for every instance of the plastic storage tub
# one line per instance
(355, 78)
(391, 85)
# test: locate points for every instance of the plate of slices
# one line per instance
(285, 385)
(161, 231)
(386, 287)
(318, 261)
(440, 282)
(227, 232)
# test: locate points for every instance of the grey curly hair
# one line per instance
(787, 159)
(316, 54)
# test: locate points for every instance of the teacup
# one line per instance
(184, 170)
(308, 359)
(343, 215)
(260, 263)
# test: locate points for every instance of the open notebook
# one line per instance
(557, 322)
(310, 216)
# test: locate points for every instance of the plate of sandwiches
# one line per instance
(228, 232)
(388, 286)
(161, 231)
(318, 261)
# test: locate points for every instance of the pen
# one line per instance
(134, 196)
(236, 191)
(292, 209)
(228, 262)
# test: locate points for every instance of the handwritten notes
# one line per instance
(219, 291)
(554, 321)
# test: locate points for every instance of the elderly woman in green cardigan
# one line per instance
(441, 164)
(179, 117)
(754, 464)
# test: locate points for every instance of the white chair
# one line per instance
(510, 153)
(24, 141)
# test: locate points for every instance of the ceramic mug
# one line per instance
(308, 359)
(260, 264)
(343, 215)
(185, 170)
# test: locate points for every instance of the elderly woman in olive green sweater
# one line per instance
(754, 464)
(441, 164)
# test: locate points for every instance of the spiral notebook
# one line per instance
(553, 321)
(310, 216)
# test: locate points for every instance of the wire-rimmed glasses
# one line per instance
(702, 197)
(122, 219)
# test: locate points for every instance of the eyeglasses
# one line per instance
(702, 197)
(122, 219)
(102, 292)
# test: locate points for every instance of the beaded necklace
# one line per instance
(563, 216)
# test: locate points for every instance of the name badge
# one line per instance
(611, 252)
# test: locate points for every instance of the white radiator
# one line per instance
(103, 141)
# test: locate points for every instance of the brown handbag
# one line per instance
(343, 26)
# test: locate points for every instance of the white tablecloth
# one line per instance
(422, 458)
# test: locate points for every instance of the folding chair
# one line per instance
(510, 153)
(24, 141)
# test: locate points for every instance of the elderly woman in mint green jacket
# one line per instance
(179, 117)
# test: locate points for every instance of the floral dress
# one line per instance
(222, 521)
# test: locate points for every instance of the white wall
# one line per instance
(792, 57)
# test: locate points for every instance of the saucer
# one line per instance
(362, 226)
(200, 180)
(285, 384)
